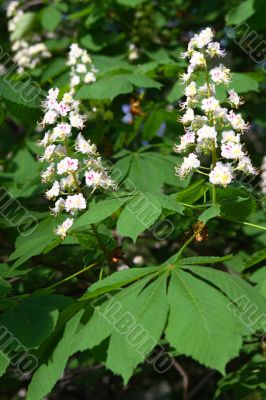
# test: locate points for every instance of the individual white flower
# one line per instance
(246, 166)
(191, 90)
(67, 98)
(68, 183)
(93, 178)
(48, 153)
(133, 53)
(90, 77)
(54, 191)
(75, 80)
(49, 117)
(81, 68)
(237, 121)
(67, 165)
(189, 164)
(76, 120)
(220, 113)
(263, 175)
(204, 37)
(220, 74)
(185, 141)
(209, 104)
(83, 146)
(221, 174)
(230, 136)
(58, 207)
(206, 132)
(214, 49)
(51, 100)
(75, 202)
(53, 93)
(197, 60)
(62, 229)
(188, 116)
(45, 141)
(74, 53)
(232, 151)
(63, 108)
(12, 8)
(203, 90)
(85, 58)
(60, 150)
(61, 131)
(234, 99)
(48, 174)
(185, 77)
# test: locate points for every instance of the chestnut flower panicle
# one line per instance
(210, 128)
(29, 52)
(82, 68)
(71, 160)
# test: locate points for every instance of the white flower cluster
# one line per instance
(27, 53)
(82, 68)
(72, 160)
(263, 175)
(210, 129)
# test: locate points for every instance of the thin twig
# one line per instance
(185, 380)
(201, 384)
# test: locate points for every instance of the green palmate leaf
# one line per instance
(138, 215)
(51, 18)
(159, 169)
(24, 320)
(235, 204)
(153, 123)
(26, 93)
(56, 67)
(143, 81)
(169, 203)
(117, 280)
(211, 212)
(47, 374)
(130, 3)
(4, 362)
(23, 25)
(79, 337)
(106, 88)
(109, 64)
(245, 301)
(135, 344)
(99, 211)
(4, 287)
(241, 12)
(200, 324)
(204, 260)
(34, 241)
(176, 93)
(112, 86)
(88, 41)
(255, 258)
(258, 276)
(243, 83)
(191, 194)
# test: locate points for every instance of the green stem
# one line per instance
(214, 155)
(71, 276)
(263, 228)
(101, 244)
(202, 173)
(185, 245)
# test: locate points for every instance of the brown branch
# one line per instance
(185, 380)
